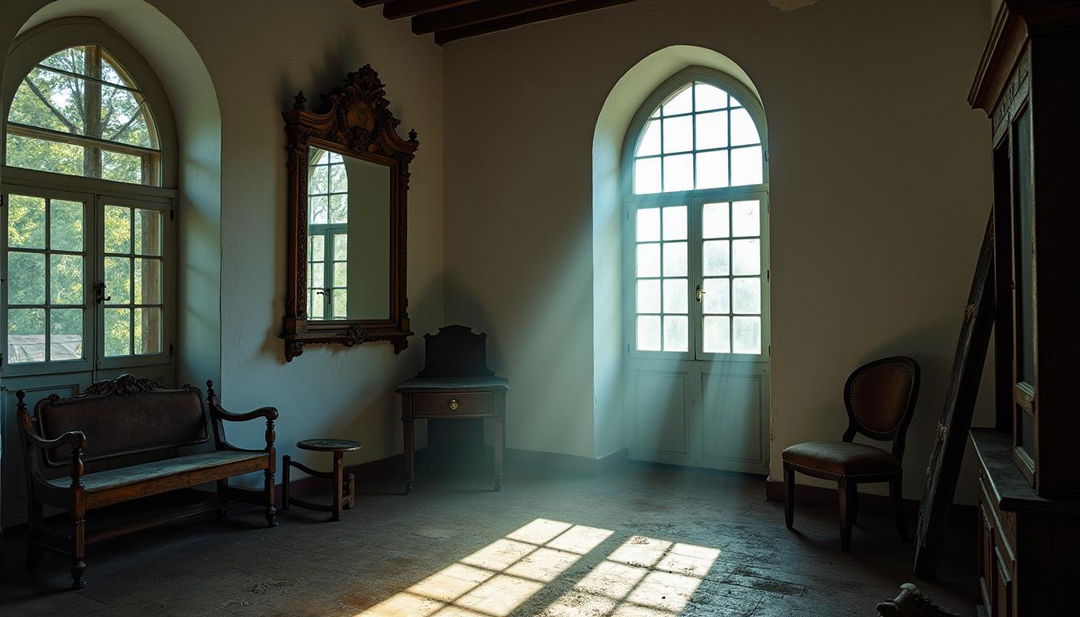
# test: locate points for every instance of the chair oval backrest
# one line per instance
(880, 397)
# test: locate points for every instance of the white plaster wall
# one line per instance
(258, 56)
(880, 192)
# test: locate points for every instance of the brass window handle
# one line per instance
(700, 292)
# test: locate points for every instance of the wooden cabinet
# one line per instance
(1029, 85)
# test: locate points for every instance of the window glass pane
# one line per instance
(675, 296)
(50, 100)
(715, 258)
(117, 332)
(717, 296)
(26, 335)
(647, 176)
(65, 334)
(65, 225)
(708, 97)
(341, 247)
(318, 207)
(26, 222)
(743, 130)
(118, 279)
(674, 259)
(648, 260)
(648, 296)
(714, 221)
(147, 331)
(712, 130)
(319, 181)
(340, 300)
(746, 335)
(66, 283)
(317, 246)
(51, 156)
(316, 304)
(679, 172)
(123, 117)
(746, 255)
(26, 278)
(341, 274)
(745, 218)
(712, 169)
(648, 224)
(147, 232)
(72, 59)
(675, 223)
(117, 229)
(649, 144)
(676, 333)
(339, 208)
(339, 178)
(717, 337)
(110, 74)
(746, 166)
(678, 134)
(648, 333)
(121, 167)
(147, 281)
(681, 103)
(318, 274)
(746, 294)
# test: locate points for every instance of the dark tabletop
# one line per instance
(328, 445)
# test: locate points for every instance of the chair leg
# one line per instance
(896, 493)
(33, 523)
(789, 500)
(847, 498)
(853, 507)
(286, 462)
(78, 548)
(268, 489)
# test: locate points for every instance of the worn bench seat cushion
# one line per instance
(841, 458)
(113, 478)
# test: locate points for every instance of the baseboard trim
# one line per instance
(959, 514)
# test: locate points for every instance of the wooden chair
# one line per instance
(880, 400)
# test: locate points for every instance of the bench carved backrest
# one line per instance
(123, 416)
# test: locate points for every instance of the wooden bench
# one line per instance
(109, 425)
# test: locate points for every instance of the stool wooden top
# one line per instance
(328, 445)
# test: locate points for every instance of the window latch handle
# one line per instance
(100, 293)
(700, 293)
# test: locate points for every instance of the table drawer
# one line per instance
(451, 403)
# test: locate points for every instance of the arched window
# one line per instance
(328, 235)
(696, 198)
(78, 112)
(89, 242)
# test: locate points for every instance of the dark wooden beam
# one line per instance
(366, 3)
(411, 8)
(479, 12)
(521, 19)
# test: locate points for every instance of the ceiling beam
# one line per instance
(411, 8)
(366, 3)
(480, 12)
(551, 11)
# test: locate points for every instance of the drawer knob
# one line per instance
(454, 404)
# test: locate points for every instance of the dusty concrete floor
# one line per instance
(640, 540)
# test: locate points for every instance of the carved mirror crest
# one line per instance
(348, 181)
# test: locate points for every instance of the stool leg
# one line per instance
(350, 501)
(338, 485)
(286, 462)
(789, 498)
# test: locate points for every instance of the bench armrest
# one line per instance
(218, 414)
(76, 439)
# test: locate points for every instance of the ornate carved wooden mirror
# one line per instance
(348, 181)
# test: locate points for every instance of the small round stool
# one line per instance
(344, 495)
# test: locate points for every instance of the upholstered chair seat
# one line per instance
(841, 458)
(880, 400)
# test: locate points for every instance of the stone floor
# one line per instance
(641, 540)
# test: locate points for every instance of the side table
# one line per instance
(344, 495)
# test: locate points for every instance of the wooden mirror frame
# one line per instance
(357, 123)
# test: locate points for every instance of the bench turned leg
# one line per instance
(78, 549)
(271, 511)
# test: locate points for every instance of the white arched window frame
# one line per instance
(696, 255)
(113, 307)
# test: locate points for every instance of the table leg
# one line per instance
(286, 463)
(339, 484)
(497, 438)
(409, 445)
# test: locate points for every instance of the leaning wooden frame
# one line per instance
(123, 417)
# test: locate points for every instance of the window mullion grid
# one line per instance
(693, 139)
(695, 271)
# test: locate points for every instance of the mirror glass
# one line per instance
(348, 262)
